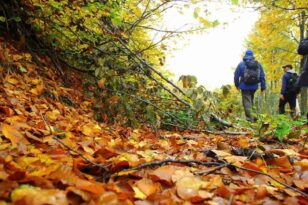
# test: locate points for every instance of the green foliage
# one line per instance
(280, 126)
(2, 19)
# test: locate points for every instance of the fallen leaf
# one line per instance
(28, 195)
(101, 83)
(302, 184)
(188, 187)
(147, 186)
(95, 188)
(164, 174)
(13, 135)
(223, 191)
(252, 166)
(283, 162)
(138, 193)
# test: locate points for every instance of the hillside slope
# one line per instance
(53, 152)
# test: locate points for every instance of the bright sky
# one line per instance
(212, 56)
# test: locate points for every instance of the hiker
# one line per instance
(303, 78)
(288, 90)
(248, 74)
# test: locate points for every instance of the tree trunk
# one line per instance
(303, 97)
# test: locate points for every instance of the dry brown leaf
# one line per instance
(164, 174)
(302, 184)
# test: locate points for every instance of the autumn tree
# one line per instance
(275, 39)
(112, 43)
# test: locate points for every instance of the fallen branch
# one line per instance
(163, 162)
(207, 131)
(273, 178)
(80, 154)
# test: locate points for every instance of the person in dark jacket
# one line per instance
(248, 89)
(303, 50)
(288, 93)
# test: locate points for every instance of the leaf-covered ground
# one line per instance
(53, 152)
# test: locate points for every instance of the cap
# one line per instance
(287, 66)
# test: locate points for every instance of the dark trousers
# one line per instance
(289, 98)
(247, 100)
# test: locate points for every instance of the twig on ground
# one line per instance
(165, 161)
(207, 131)
(273, 178)
(230, 199)
(72, 149)
(207, 172)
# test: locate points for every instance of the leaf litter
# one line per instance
(56, 153)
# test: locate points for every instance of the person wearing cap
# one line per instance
(288, 92)
(248, 89)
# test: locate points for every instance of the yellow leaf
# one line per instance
(125, 173)
(138, 193)
(11, 80)
(33, 195)
(90, 129)
(276, 184)
(147, 186)
(303, 163)
(28, 56)
(53, 115)
(38, 89)
(12, 134)
(188, 187)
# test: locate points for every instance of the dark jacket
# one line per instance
(285, 79)
(239, 74)
(303, 50)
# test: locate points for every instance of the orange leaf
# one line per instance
(13, 135)
(108, 198)
(243, 143)
(92, 187)
(252, 166)
(164, 174)
(302, 184)
(281, 162)
(224, 192)
(147, 186)
(106, 152)
(261, 192)
(101, 83)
